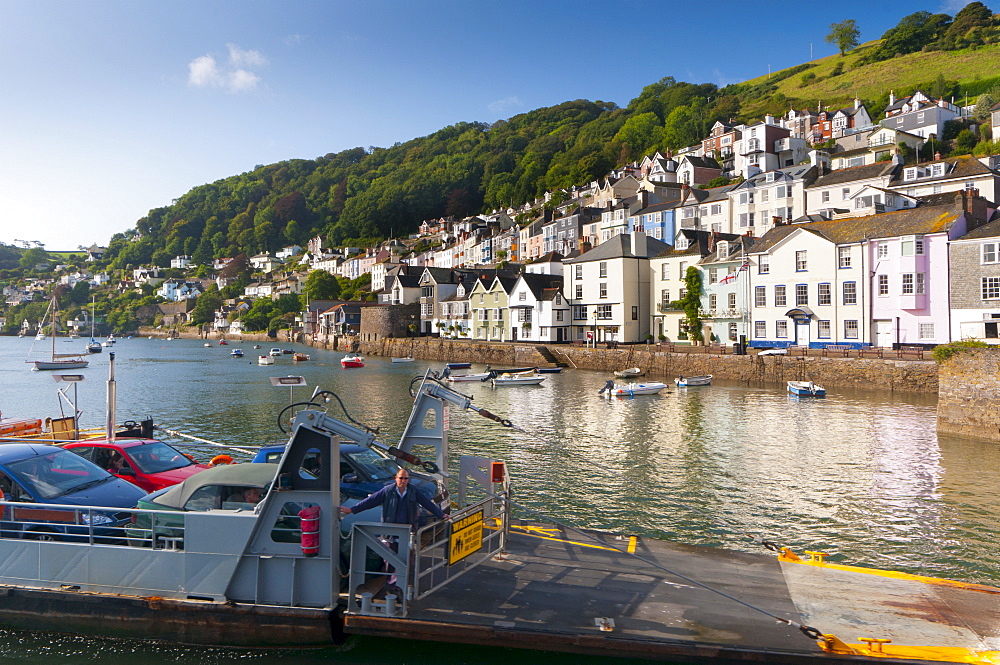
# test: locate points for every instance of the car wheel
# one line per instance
(42, 535)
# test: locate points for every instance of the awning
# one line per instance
(800, 313)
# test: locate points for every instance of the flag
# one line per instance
(728, 278)
(745, 266)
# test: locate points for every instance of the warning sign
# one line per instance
(466, 537)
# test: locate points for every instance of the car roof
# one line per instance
(235, 475)
(121, 443)
(14, 452)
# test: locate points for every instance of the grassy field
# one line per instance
(970, 67)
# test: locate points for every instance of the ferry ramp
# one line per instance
(567, 591)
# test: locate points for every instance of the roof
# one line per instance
(989, 230)
(958, 167)
(853, 174)
(230, 475)
(619, 247)
(542, 284)
(924, 219)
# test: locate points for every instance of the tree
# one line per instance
(845, 35)
(691, 303)
(205, 306)
(33, 257)
(321, 285)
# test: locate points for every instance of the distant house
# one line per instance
(181, 262)
(288, 252)
(264, 262)
(94, 252)
(919, 114)
(179, 289)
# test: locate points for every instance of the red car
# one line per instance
(148, 463)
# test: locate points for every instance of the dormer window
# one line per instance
(722, 249)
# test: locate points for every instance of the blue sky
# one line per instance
(111, 108)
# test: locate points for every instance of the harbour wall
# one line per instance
(969, 394)
(914, 376)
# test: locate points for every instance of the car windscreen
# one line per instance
(58, 473)
(371, 465)
(156, 457)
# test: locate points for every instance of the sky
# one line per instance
(112, 108)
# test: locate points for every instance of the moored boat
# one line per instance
(806, 389)
(471, 376)
(352, 361)
(458, 365)
(548, 370)
(628, 373)
(406, 359)
(265, 360)
(299, 357)
(688, 381)
(236, 353)
(529, 378)
(613, 389)
(58, 361)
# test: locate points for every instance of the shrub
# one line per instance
(944, 351)
(807, 78)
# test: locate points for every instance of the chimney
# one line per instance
(638, 239)
(857, 103)
(892, 98)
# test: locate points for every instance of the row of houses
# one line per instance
(922, 275)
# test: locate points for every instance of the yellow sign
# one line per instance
(466, 537)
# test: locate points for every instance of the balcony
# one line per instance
(667, 308)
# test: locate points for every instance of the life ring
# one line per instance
(221, 459)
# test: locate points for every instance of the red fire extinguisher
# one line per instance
(309, 525)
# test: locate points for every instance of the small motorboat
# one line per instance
(806, 389)
(265, 360)
(288, 352)
(256, 346)
(613, 389)
(516, 379)
(548, 370)
(688, 381)
(207, 345)
(629, 373)
(236, 353)
(299, 357)
(223, 342)
(407, 359)
(352, 361)
(458, 365)
(274, 352)
(474, 376)
(513, 370)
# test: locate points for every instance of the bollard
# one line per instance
(366, 603)
(390, 605)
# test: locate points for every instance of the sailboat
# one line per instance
(58, 360)
(94, 346)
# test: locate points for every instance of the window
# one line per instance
(823, 294)
(781, 328)
(579, 312)
(664, 297)
(732, 301)
(991, 288)
(713, 300)
(482, 298)
(603, 269)
(989, 252)
(850, 329)
(635, 312)
(496, 297)
(850, 293)
(919, 283)
(801, 294)
(716, 209)
(926, 331)
(800, 260)
(732, 331)
(604, 311)
(825, 197)
(683, 268)
(780, 297)
(763, 194)
(883, 250)
(604, 290)
(746, 197)
(713, 275)
(764, 264)
(844, 257)
(578, 271)
(665, 271)
(782, 192)
(911, 245)
(823, 329)
(760, 296)
(579, 292)
(559, 314)
(883, 285)
(845, 193)
(522, 295)
(759, 329)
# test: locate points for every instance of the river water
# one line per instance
(862, 476)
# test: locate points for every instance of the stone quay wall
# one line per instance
(969, 394)
(915, 376)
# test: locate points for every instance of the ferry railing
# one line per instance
(64, 522)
